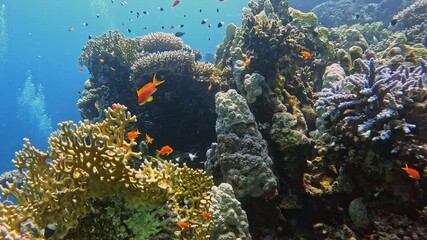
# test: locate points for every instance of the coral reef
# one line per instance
(342, 110)
(131, 63)
(179, 62)
(229, 221)
(241, 153)
(87, 169)
(161, 42)
(348, 12)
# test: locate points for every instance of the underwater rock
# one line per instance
(286, 133)
(252, 86)
(242, 153)
(356, 52)
(358, 213)
(303, 20)
(344, 59)
(229, 220)
(333, 73)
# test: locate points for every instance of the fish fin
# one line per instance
(156, 82)
(150, 98)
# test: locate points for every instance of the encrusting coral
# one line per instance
(242, 153)
(86, 165)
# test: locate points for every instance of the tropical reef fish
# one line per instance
(132, 135)
(182, 224)
(306, 54)
(206, 215)
(176, 2)
(192, 156)
(145, 94)
(220, 24)
(70, 29)
(179, 34)
(412, 173)
(204, 21)
(394, 22)
(166, 150)
(148, 139)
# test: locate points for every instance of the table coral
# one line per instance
(87, 165)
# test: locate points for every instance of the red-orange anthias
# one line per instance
(306, 54)
(145, 94)
(166, 150)
(412, 173)
(206, 215)
(148, 139)
(134, 134)
(183, 224)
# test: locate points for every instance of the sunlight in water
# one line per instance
(32, 107)
(3, 33)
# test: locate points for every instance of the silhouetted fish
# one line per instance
(179, 34)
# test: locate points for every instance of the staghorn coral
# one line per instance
(87, 166)
(368, 101)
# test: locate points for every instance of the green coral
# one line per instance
(86, 165)
(303, 20)
(109, 47)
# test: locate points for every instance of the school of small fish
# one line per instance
(175, 4)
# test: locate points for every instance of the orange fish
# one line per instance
(247, 62)
(306, 54)
(101, 60)
(148, 139)
(145, 94)
(166, 150)
(206, 215)
(210, 87)
(257, 27)
(183, 224)
(134, 134)
(114, 106)
(412, 173)
(96, 105)
(86, 55)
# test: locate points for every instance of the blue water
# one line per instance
(40, 48)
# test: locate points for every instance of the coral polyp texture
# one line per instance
(241, 155)
(371, 105)
(86, 169)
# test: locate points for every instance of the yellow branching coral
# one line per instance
(90, 161)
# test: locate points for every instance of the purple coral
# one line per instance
(367, 103)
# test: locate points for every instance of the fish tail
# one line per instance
(156, 82)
